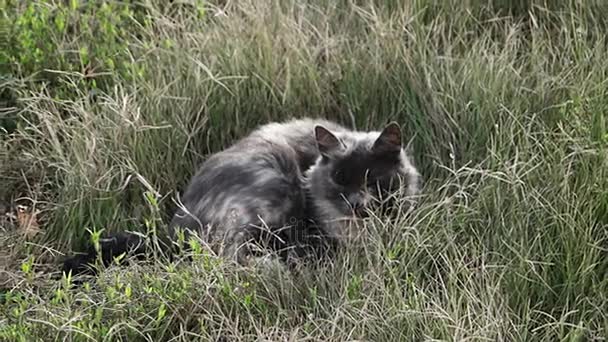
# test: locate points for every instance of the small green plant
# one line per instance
(27, 267)
(353, 290)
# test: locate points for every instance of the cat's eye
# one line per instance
(339, 177)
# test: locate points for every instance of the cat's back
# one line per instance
(260, 175)
(296, 135)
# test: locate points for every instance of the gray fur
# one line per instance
(276, 179)
(254, 186)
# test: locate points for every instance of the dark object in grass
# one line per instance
(113, 246)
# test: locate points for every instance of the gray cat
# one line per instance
(296, 188)
(356, 171)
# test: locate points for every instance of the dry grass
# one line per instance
(505, 108)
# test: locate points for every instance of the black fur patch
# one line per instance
(111, 247)
(363, 167)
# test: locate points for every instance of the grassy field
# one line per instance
(107, 109)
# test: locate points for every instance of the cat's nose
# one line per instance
(360, 211)
(357, 204)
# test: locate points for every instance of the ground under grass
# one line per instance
(107, 109)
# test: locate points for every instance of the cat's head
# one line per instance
(357, 170)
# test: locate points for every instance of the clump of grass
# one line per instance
(503, 104)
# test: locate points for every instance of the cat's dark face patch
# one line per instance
(354, 182)
(362, 168)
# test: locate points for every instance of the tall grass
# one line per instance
(503, 104)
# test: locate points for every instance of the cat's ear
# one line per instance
(327, 142)
(389, 140)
